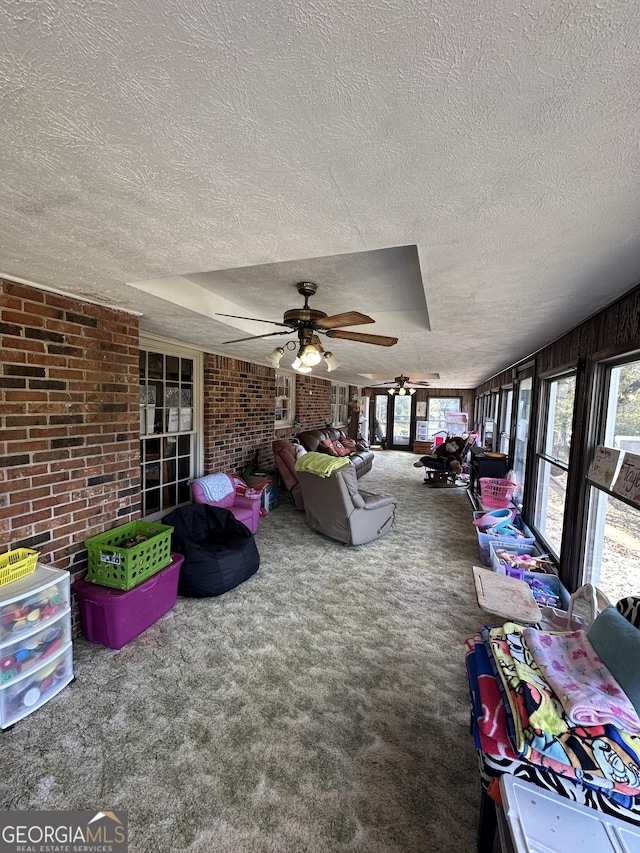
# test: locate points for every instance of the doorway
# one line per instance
(392, 420)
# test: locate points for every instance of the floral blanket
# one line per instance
(589, 694)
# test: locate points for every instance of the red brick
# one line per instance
(22, 318)
(22, 291)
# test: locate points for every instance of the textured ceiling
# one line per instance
(204, 150)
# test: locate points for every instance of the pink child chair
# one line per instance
(229, 491)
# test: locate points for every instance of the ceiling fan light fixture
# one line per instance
(299, 366)
(275, 356)
(332, 361)
(391, 391)
(412, 390)
(310, 356)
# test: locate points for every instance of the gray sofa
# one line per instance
(361, 458)
(336, 507)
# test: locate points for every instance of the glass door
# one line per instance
(380, 406)
(400, 422)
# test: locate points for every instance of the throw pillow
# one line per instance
(617, 644)
(349, 443)
(326, 446)
(339, 448)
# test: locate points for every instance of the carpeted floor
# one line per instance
(321, 707)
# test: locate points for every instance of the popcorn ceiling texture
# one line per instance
(149, 139)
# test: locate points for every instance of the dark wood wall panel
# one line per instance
(615, 326)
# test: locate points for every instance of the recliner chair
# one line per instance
(284, 457)
(335, 506)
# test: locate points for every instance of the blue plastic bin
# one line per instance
(554, 583)
(485, 539)
(515, 548)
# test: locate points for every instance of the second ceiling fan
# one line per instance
(401, 385)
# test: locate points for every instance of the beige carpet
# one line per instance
(320, 707)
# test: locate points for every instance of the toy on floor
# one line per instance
(444, 465)
(526, 562)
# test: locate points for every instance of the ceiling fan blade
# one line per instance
(254, 319)
(348, 318)
(362, 337)
(256, 337)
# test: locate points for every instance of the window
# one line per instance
(339, 404)
(553, 452)
(506, 404)
(490, 419)
(436, 413)
(169, 390)
(285, 405)
(523, 412)
(613, 526)
(379, 431)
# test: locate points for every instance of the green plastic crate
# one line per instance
(112, 564)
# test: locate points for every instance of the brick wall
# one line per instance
(69, 446)
(313, 402)
(238, 413)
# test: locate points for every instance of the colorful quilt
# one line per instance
(540, 724)
(494, 760)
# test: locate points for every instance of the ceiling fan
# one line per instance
(401, 385)
(307, 323)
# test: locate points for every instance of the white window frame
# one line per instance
(284, 414)
(148, 342)
(339, 404)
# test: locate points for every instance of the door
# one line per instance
(400, 418)
(392, 420)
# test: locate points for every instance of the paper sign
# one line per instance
(627, 482)
(604, 465)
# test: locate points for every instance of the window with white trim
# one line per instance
(169, 413)
(285, 403)
(339, 404)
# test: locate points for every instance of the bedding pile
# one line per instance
(547, 708)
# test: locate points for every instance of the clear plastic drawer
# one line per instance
(27, 693)
(30, 652)
(30, 603)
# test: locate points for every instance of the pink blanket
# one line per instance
(586, 689)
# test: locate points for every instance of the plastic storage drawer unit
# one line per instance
(31, 602)
(23, 695)
(113, 617)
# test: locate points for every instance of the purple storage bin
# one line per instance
(113, 617)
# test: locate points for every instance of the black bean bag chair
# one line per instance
(219, 551)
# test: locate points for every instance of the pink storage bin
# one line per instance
(113, 617)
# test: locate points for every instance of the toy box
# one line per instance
(514, 548)
(485, 539)
(113, 617)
